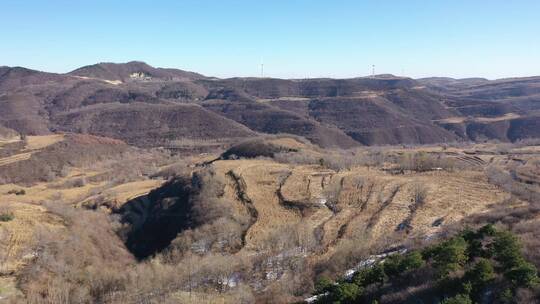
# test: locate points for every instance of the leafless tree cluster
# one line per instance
(87, 263)
(333, 159)
(506, 181)
(419, 193)
(219, 222)
(421, 161)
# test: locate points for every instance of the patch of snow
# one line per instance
(349, 274)
(316, 297)
(201, 246)
(231, 281)
(271, 275)
(114, 82)
(30, 256)
(370, 261)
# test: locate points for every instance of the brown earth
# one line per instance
(291, 207)
(383, 109)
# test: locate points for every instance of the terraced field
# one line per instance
(360, 203)
(21, 235)
(32, 144)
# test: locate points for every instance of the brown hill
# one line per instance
(267, 119)
(447, 83)
(269, 88)
(134, 70)
(378, 117)
(514, 94)
(47, 160)
(382, 109)
(144, 124)
(16, 77)
(375, 110)
(504, 109)
(23, 112)
(512, 128)
(372, 121)
(7, 133)
(88, 92)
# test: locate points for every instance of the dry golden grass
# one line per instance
(506, 116)
(40, 142)
(285, 98)
(15, 158)
(208, 297)
(33, 143)
(20, 236)
(127, 191)
(10, 140)
(122, 193)
(371, 204)
(287, 142)
(451, 196)
(261, 179)
(8, 288)
(49, 192)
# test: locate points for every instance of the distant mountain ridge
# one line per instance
(148, 106)
(132, 70)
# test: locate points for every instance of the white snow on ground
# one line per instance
(231, 281)
(315, 298)
(370, 261)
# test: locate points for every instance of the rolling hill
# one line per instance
(150, 106)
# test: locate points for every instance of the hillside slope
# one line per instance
(144, 124)
(134, 70)
(377, 110)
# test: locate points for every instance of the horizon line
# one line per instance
(270, 77)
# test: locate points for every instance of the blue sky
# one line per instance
(294, 38)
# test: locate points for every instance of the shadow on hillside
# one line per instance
(153, 221)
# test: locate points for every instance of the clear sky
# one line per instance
(294, 38)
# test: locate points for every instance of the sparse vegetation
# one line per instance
(419, 192)
(79, 182)
(422, 161)
(229, 229)
(252, 148)
(458, 299)
(17, 191)
(6, 216)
